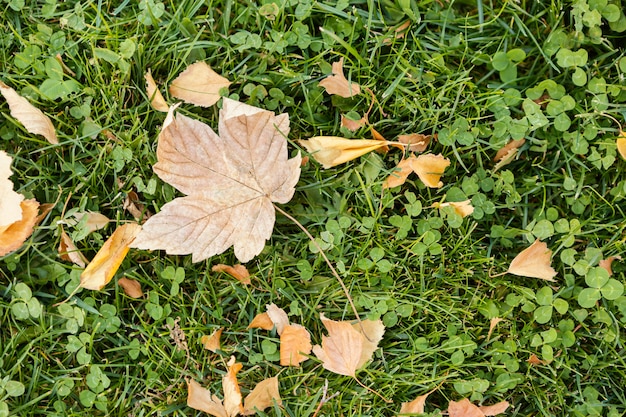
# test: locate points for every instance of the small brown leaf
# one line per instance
(295, 343)
(262, 396)
(462, 208)
(199, 85)
(200, 398)
(341, 350)
(417, 142)
(429, 168)
(131, 287)
(492, 325)
(606, 263)
(232, 393)
(416, 406)
(492, 410)
(353, 125)
(109, 258)
(534, 360)
(68, 251)
(376, 135)
(239, 272)
(261, 321)
(154, 95)
(506, 149)
(464, 408)
(401, 173)
(32, 118)
(533, 262)
(93, 220)
(621, 144)
(13, 236)
(212, 342)
(278, 317)
(338, 83)
(331, 151)
(135, 207)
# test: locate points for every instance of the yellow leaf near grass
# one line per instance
(239, 272)
(69, 252)
(131, 287)
(199, 85)
(295, 343)
(261, 321)
(13, 236)
(154, 95)
(462, 208)
(262, 396)
(533, 262)
(212, 342)
(331, 151)
(621, 144)
(338, 84)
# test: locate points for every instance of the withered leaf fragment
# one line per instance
(416, 142)
(261, 321)
(416, 406)
(239, 272)
(331, 151)
(262, 396)
(31, 117)
(230, 181)
(465, 408)
(131, 287)
(533, 262)
(212, 342)
(338, 84)
(13, 236)
(68, 251)
(295, 343)
(462, 208)
(199, 85)
(154, 95)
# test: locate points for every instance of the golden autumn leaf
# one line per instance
(10, 210)
(416, 406)
(533, 262)
(621, 144)
(154, 95)
(68, 251)
(33, 119)
(261, 321)
(199, 85)
(416, 142)
(465, 408)
(338, 84)
(231, 182)
(331, 151)
(462, 208)
(131, 287)
(212, 342)
(104, 265)
(401, 173)
(295, 343)
(262, 396)
(232, 392)
(372, 332)
(239, 272)
(201, 399)
(429, 168)
(13, 236)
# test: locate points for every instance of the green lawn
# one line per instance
(474, 74)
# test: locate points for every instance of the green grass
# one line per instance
(427, 274)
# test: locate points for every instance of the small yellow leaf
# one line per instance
(261, 321)
(295, 343)
(28, 115)
(212, 342)
(131, 287)
(372, 332)
(232, 393)
(109, 258)
(338, 84)
(13, 236)
(621, 144)
(262, 396)
(429, 168)
(331, 151)
(402, 172)
(462, 208)
(199, 85)
(154, 95)
(278, 317)
(533, 262)
(341, 350)
(68, 251)
(200, 398)
(239, 272)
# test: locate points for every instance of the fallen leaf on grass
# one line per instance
(621, 144)
(606, 263)
(507, 153)
(353, 125)
(212, 342)
(338, 84)
(154, 95)
(534, 360)
(372, 332)
(13, 236)
(230, 180)
(429, 168)
(33, 119)
(201, 399)
(131, 287)
(278, 316)
(400, 174)
(261, 321)
(416, 142)
(199, 85)
(416, 406)
(69, 252)
(462, 208)
(92, 220)
(345, 349)
(239, 272)
(262, 396)
(295, 343)
(465, 408)
(135, 207)
(331, 151)
(232, 392)
(10, 210)
(533, 262)
(105, 264)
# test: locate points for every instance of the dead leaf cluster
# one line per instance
(462, 408)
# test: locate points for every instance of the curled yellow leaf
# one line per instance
(154, 95)
(621, 144)
(429, 168)
(331, 151)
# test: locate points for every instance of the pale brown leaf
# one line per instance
(278, 316)
(10, 209)
(353, 125)
(92, 220)
(68, 251)
(492, 325)
(606, 263)
(534, 360)
(341, 350)
(104, 265)
(135, 207)
(32, 118)
(212, 342)
(261, 321)
(429, 168)
(495, 409)
(154, 95)
(295, 343)
(401, 173)
(232, 393)
(200, 398)
(533, 262)
(230, 181)
(262, 396)
(506, 149)
(464, 408)
(239, 272)
(13, 236)
(331, 151)
(338, 84)
(372, 332)
(416, 142)
(416, 406)
(131, 287)
(199, 85)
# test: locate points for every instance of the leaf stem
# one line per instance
(388, 401)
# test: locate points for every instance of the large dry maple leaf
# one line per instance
(230, 180)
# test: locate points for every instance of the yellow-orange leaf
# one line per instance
(338, 84)
(154, 95)
(402, 172)
(416, 142)
(28, 115)
(429, 168)
(416, 406)
(232, 393)
(533, 262)
(505, 151)
(492, 410)
(239, 272)
(131, 287)
(68, 251)
(13, 236)
(295, 343)
(109, 258)
(200, 398)
(262, 396)
(261, 321)
(462, 208)
(341, 350)
(278, 317)
(212, 342)
(199, 85)
(331, 151)
(621, 144)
